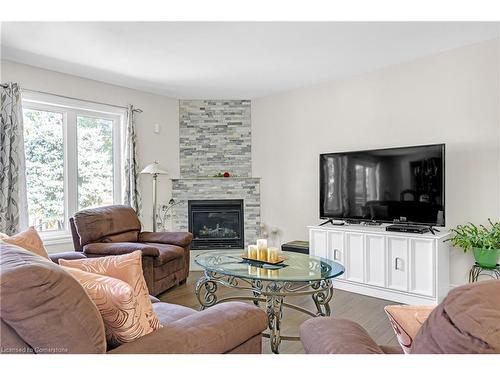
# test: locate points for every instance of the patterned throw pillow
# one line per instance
(28, 240)
(127, 268)
(406, 321)
(123, 318)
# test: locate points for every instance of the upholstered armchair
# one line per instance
(116, 229)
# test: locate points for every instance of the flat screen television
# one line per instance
(403, 184)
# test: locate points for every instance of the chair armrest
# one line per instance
(182, 239)
(216, 330)
(324, 335)
(119, 248)
(68, 255)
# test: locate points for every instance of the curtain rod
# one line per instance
(138, 110)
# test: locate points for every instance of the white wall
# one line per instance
(452, 98)
(163, 147)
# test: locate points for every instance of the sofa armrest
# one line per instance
(182, 239)
(119, 248)
(391, 349)
(216, 330)
(68, 255)
(325, 335)
(153, 299)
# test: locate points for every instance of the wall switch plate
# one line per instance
(156, 128)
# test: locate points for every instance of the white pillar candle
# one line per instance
(252, 252)
(272, 254)
(262, 249)
(262, 243)
(262, 254)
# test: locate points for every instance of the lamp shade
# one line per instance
(153, 168)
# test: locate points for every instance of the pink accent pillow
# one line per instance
(406, 321)
(128, 268)
(124, 320)
(28, 240)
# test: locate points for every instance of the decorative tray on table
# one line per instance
(280, 260)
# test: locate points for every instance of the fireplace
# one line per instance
(216, 224)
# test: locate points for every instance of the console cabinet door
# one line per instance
(336, 248)
(397, 265)
(355, 257)
(318, 244)
(375, 260)
(422, 266)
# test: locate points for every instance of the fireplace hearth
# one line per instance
(216, 224)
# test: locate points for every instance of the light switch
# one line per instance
(156, 128)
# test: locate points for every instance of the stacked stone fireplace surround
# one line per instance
(215, 137)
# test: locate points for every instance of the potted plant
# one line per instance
(483, 241)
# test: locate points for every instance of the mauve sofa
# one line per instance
(467, 321)
(45, 310)
(116, 230)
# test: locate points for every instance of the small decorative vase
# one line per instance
(486, 258)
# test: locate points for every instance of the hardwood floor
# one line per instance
(367, 311)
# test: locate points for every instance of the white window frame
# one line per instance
(71, 108)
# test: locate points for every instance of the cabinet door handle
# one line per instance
(335, 256)
(396, 263)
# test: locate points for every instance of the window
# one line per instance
(95, 161)
(73, 161)
(44, 148)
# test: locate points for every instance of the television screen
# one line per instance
(405, 184)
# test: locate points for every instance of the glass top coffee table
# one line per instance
(299, 274)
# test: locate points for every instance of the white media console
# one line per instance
(402, 267)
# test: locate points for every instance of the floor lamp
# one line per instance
(154, 170)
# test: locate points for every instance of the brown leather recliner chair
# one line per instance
(116, 229)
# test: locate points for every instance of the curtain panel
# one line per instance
(131, 169)
(13, 200)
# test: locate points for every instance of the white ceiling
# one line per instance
(228, 60)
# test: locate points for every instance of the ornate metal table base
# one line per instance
(272, 293)
(477, 270)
